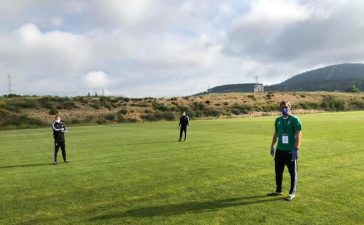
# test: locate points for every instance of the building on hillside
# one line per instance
(258, 88)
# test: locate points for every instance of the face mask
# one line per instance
(57, 121)
(284, 111)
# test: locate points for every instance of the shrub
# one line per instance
(252, 97)
(151, 117)
(20, 121)
(235, 111)
(131, 120)
(353, 89)
(12, 107)
(198, 106)
(120, 118)
(122, 111)
(208, 102)
(101, 121)
(109, 117)
(75, 121)
(168, 116)
(160, 106)
(330, 103)
(53, 111)
(211, 112)
(95, 105)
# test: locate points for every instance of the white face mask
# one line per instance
(57, 121)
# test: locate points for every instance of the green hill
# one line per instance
(341, 77)
(332, 78)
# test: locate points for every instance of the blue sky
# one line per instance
(162, 48)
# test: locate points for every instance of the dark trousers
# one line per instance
(59, 144)
(182, 129)
(282, 159)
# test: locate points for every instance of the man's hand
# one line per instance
(272, 150)
(295, 154)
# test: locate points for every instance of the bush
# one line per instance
(245, 109)
(211, 112)
(20, 121)
(353, 89)
(75, 121)
(88, 119)
(358, 105)
(12, 107)
(123, 111)
(101, 121)
(53, 111)
(252, 97)
(131, 120)
(110, 117)
(168, 116)
(330, 103)
(235, 111)
(160, 106)
(120, 118)
(198, 106)
(151, 117)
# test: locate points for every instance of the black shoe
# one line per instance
(54, 163)
(274, 193)
(66, 161)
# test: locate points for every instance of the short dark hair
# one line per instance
(285, 103)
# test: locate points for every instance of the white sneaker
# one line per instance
(290, 197)
(54, 163)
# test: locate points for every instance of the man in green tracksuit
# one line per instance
(288, 134)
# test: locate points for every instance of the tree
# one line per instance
(353, 89)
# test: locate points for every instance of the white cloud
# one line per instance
(60, 50)
(97, 79)
(276, 11)
(171, 47)
(57, 22)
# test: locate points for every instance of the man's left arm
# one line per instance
(64, 128)
(298, 139)
(297, 144)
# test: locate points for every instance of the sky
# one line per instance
(165, 48)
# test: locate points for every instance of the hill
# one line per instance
(331, 78)
(35, 111)
(339, 77)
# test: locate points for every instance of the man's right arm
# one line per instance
(274, 139)
(55, 128)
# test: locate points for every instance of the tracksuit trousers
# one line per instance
(60, 144)
(282, 159)
(182, 129)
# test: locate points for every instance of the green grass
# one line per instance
(140, 174)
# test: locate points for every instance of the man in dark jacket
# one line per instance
(59, 128)
(184, 123)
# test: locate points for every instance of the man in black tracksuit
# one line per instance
(59, 128)
(184, 123)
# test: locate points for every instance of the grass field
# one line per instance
(140, 174)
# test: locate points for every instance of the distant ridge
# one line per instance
(331, 78)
